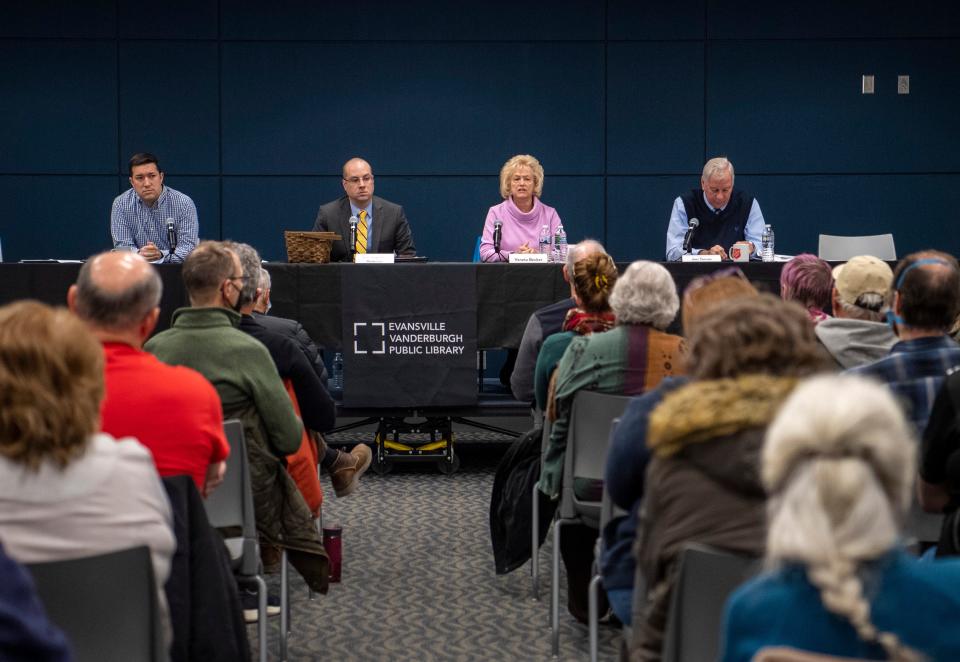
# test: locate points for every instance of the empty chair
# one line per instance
(105, 604)
(231, 506)
(836, 248)
(707, 576)
(588, 436)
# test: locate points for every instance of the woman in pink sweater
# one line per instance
(521, 212)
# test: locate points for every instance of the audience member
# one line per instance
(726, 215)
(628, 454)
(631, 358)
(592, 282)
(522, 215)
(382, 226)
(140, 217)
(838, 464)
(290, 328)
(544, 322)
(938, 488)
(205, 337)
(25, 631)
(66, 489)
(924, 302)
(857, 334)
(173, 411)
(702, 483)
(317, 408)
(808, 280)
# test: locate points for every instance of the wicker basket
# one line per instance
(313, 247)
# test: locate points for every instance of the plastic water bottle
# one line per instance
(560, 245)
(338, 371)
(767, 241)
(544, 248)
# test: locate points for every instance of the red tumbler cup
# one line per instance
(332, 543)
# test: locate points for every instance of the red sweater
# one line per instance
(173, 410)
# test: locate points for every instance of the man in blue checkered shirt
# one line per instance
(155, 220)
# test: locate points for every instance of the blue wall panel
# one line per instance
(169, 104)
(654, 107)
(172, 19)
(638, 209)
(427, 20)
(58, 107)
(778, 107)
(65, 217)
(306, 108)
(677, 20)
(58, 19)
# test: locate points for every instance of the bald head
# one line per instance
(579, 251)
(358, 181)
(116, 290)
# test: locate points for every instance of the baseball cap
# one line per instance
(861, 275)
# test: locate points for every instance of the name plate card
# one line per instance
(374, 258)
(528, 258)
(700, 258)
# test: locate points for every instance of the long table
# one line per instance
(506, 293)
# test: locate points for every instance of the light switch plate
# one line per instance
(903, 84)
(867, 84)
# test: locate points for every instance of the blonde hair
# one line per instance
(838, 462)
(506, 174)
(593, 279)
(51, 384)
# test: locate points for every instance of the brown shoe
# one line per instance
(348, 467)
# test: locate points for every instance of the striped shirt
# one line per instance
(133, 224)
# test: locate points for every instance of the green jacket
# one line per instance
(238, 366)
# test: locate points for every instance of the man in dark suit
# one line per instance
(382, 226)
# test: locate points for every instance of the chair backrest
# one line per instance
(476, 249)
(839, 249)
(105, 604)
(588, 437)
(231, 504)
(608, 509)
(706, 577)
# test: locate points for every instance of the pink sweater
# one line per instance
(518, 228)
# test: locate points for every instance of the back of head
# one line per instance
(807, 280)
(645, 294)
(862, 285)
(580, 250)
(250, 263)
(593, 279)
(705, 292)
(928, 284)
(210, 263)
(51, 384)
(838, 464)
(754, 335)
(116, 290)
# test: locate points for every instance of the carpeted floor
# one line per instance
(418, 577)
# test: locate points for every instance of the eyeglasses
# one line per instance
(366, 179)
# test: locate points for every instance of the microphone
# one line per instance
(353, 234)
(497, 235)
(171, 235)
(692, 225)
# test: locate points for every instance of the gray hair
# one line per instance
(645, 294)
(580, 250)
(716, 166)
(838, 463)
(868, 306)
(250, 263)
(116, 310)
(264, 278)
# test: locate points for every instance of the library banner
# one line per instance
(409, 335)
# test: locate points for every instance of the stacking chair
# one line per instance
(587, 438)
(707, 576)
(608, 511)
(535, 517)
(840, 249)
(231, 505)
(105, 604)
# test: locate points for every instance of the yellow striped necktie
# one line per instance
(362, 233)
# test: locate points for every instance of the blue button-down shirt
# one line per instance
(133, 224)
(914, 371)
